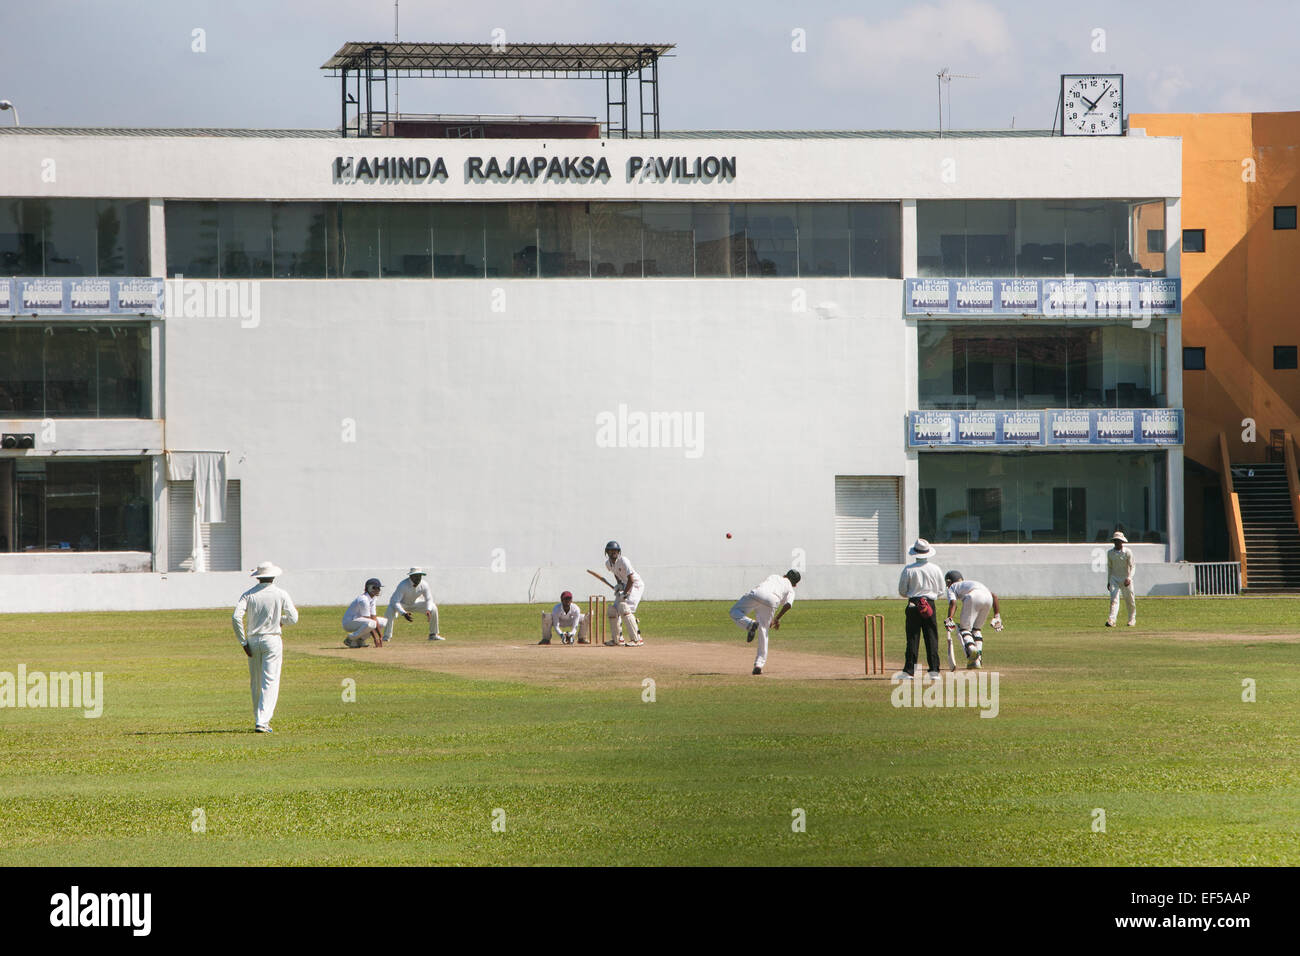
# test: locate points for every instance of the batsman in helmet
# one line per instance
(976, 602)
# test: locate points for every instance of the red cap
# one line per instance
(567, 594)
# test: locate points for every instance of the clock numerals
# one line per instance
(1092, 105)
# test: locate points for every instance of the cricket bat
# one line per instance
(603, 578)
(952, 660)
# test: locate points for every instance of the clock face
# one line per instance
(1092, 104)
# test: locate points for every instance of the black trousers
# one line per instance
(916, 625)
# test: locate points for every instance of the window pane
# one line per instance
(1040, 237)
(1284, 217)
(984, 369)
(18, 245)
(70, 372)
(719, 247)
(511, 234)
(405, 240)
(825, 248)
(1040, 368)
(669, 238)
(124, 372)
(877, 239)
(192, 234)
(245, 240)
(458, 250)
(1085, 368)
(69, 245)
(359, 240)
(940, 238)
(936, 385)
(21, 389)
(771, 240)
(122, 237)
(616, 239)
(564, 239)
(990, 237)
(124, 508)
(1193, 240)
(71, 506)
(302, 239)
(1145, 258)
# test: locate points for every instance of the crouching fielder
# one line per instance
(976, 602)
(627, 595)
(360, 619)
(413, 594)
(565, 619)
(768, 603)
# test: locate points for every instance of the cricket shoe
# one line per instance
(1132, 623)
(933, 675)
(436, 637)
(583, 640)
(1110, 623)
(971, 655)
(349, 642)
(545, 640)
(902, 675)
(637, 643)
(758, 670)
(753, 629)
(263, 730)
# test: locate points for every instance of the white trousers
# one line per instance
(757, 605)
(975, 608)
(550, 630)
(264, 675)
(415, 607)
(1117, 590)
(628, 603)
(361, 627)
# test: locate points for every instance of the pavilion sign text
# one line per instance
(533, 169)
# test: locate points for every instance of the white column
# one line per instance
(911, 503)
(1174, 377)
(1174, 482)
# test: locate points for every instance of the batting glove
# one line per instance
(997, 622)
(949, 624)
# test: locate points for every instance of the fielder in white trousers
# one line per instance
(1119, 580)
(258, 616)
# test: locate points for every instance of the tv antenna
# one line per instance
(945, 80)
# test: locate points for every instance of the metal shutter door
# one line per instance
(867, 527)
(180, 524)
(221, 542)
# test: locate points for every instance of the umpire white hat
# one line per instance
(416, 571)
(266, 570)
(1119, 536)
(922, 549)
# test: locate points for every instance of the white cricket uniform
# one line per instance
(1119, 567)
(560, 621)
(257, 619)
(362, 607)
(623, 572)
(411, 598)
(976, 603)
(763, 602)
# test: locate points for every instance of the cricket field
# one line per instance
(1172, 743)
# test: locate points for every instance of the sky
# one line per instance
(761, 64)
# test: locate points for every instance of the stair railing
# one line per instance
(1232, 504)
(1292, 478)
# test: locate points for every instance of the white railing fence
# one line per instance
(1216, 579)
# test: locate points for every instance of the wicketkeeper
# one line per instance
(565, 619)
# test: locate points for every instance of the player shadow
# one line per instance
(186, 733)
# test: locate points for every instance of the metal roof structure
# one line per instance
(666, 134)
(614, 62)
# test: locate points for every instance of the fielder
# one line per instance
(976, 602)
(1119, 580)
(768, 603)
(413, 594)
(267, 607)
(360, 619)
(627, 595)
(565, 619)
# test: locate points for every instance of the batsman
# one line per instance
(976, 602)
(623, 625)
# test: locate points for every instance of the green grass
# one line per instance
(1144, 724)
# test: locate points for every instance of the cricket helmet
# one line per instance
(951, 578)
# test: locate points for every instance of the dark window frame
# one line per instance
(1192, 234)
(1190, 354)
(1285, 218)
(1284, 357)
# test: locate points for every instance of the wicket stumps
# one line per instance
(598, 623)
(873, 642)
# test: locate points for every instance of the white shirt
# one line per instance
(961, 589)
(779, 587)
(1119, 564)
(623, 571)
(408, 593)
(364, 606)
(560, 618)
(921, 579)
(266, 606)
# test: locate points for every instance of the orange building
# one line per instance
(1241, 291)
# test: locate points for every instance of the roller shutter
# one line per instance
(867, 525)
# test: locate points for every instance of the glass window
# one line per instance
(99, 371)
(825, 244)
(1040, 237)
(192, 239)
(1284, 217)
(70, 371)
(1193, 359)
(1284, 356)
(359, 240)
(83, 505)
(941, 238)
(719, 247)
(245, 240)
(877, 239)
(1193, 240)
(564, 239)
(990, 237)
(771, 240)
(124, 372)
(22, 389)
(69, 243)
(1043, 497)
(20, 237)
(669, 236)
(304, 240)
(405, 240)
(511, 237)
(122, 237)
(458, 247)
(616, 239)
(1155, 240)
(1148, 259)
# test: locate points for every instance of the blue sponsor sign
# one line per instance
(82, 296)
(1120, 298)
(1086, 427)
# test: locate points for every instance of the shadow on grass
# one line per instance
(186, 733)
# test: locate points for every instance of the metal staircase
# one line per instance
(1271, 537)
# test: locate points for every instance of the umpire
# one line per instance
(921, 583)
